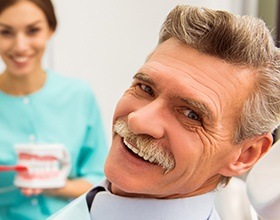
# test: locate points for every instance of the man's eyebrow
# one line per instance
(202, 107)
(144, 77)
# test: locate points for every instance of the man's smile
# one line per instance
(145, 147)
(139, 153)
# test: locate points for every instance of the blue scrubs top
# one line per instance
(63, 111)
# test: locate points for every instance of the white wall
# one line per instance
(106, 41)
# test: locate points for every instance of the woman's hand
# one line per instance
(31, 192)
(72, 189)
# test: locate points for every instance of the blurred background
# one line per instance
(105, 42)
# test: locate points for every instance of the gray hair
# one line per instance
(239, 40)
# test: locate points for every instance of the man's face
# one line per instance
(174, 126)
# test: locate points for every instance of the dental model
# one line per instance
(47, 165)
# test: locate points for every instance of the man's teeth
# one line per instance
(134, 149)
(152, 159)
(139, 153)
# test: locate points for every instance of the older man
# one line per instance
(200, 110)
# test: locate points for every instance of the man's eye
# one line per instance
(191, 114)
(146, 89)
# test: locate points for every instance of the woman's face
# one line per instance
(24, 33)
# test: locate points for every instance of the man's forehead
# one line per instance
(164, 64)
(193, 63)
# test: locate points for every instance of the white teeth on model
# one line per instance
(38, 166)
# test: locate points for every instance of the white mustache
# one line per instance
(147, 147)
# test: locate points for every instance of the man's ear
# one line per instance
(251, 151)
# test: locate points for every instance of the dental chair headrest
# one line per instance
(263, 184)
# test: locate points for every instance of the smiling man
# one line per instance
(200, 110)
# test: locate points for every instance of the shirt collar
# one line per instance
(106, 205)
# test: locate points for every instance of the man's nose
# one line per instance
(149, 119)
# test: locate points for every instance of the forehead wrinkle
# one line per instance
(214, 74)
(190, 72)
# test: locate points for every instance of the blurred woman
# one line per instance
(40, 106)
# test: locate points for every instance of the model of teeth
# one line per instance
(43, 171)
(39, 167)
(47, 165)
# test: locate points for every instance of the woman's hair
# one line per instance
(45, 5)
(240, 40)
